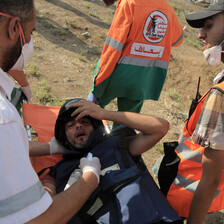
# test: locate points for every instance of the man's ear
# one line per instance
(13, 28)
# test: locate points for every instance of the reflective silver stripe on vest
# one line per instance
(187, 153)
(143, 62)
(114, 43)
(95, 207)
(182, 138)
(189, 185)
(21, 200)
(179, 39)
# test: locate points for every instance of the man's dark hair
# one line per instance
(23, 9)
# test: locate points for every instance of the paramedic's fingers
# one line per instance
(91, 165)
(27, 91)
(87, 108)
(55, 147)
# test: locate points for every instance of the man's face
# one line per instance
(13, 52)
(212, 33)
(11, 55)
(78, 132)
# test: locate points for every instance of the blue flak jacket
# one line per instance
(127, 194)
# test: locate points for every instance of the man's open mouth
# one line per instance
(80, 134)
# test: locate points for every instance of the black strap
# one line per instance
(52, 171)
(123, 144)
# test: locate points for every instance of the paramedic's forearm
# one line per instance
(39, 148)
(152, 129)
(212, 167)
(67, 203)
(144, 123)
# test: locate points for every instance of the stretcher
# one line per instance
(41, 120)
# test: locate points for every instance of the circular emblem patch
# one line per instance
(155, 27)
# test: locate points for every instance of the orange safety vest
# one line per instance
(190, 167)
(142, 34)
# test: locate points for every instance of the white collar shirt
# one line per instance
(22, 196)
(218, 77)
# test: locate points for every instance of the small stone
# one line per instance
(86, 34)
(68, 79)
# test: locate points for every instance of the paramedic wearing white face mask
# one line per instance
(27, 51)
(197, 185)
(213, 54)
(209, 131)
(17, 69)
(24, 200)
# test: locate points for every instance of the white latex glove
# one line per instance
(92, 98)
(91, 164)
(27, 91)
(55, 147)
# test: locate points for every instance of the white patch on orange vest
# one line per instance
(155, 27)
(147, 50)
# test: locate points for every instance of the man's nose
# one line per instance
(201, 34)
(78, 124)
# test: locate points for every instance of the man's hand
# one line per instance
(91, 164)
(87, 108)
(55, 147)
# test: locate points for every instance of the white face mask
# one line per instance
(27, 51)
(213, 54)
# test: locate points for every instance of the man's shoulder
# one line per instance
(217, 92)
(219, 87)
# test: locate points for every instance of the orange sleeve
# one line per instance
(116, 39)
(177, 31)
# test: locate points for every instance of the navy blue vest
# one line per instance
(126, 194)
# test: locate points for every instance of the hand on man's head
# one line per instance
(87, 108)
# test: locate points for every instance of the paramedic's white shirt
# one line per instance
(22, 196)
